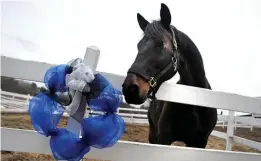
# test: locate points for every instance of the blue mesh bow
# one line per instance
(108, 128)
(99, 132)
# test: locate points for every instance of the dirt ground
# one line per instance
(137, 133)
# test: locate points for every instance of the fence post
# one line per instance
(236, 125)
(230, 130)
(251, 129)
(91, 59)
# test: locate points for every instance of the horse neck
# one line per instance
(185, 77)
(191, 68)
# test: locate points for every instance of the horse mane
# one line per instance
(156, 31)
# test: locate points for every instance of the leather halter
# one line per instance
(173, 64)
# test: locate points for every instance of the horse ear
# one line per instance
(165, 16)
(142, 22)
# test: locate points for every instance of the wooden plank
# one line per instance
(38, 69)
(30, 141)
(13, 106)
(136, 121)
(14, 102)
(133, 109)
(249, 120)
(249, 143)
(150, 152)
(129, 120)
(18, 140)
(133, 115)
(8, 110)
(219, 134)
(208, 98)
(20, 69)
(237, 126)
(186, 94)
(222, 118)
(143, 117)
(13, 99)
(243, 126)
(15, 94)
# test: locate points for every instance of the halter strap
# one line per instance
(175, 44)
(153, 80)
(173, 64)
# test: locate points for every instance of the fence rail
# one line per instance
(239, 122)
(17, 140)
(123, 149)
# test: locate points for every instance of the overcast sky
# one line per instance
(227, 33)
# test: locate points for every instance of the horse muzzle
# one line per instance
(132, 90)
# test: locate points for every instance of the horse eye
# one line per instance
(160, 44)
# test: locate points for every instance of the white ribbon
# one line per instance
(78, 81)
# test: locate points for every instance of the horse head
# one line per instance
(157, 59)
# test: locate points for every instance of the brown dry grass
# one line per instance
(137, 133)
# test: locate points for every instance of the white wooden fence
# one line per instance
(18, 103)
(29, 141)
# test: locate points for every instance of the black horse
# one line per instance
(162, 52)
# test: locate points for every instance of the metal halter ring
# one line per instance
(152, 82)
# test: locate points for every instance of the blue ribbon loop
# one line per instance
(98, 131)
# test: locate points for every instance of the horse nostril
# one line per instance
(131, 93)
(133, 89)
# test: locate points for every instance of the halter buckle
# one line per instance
(152, 82)
(174, 63)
